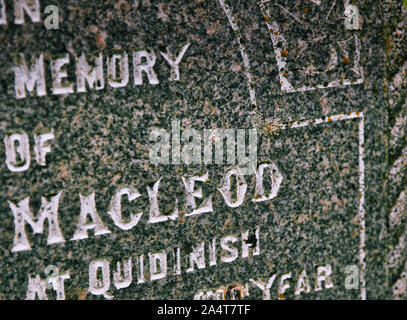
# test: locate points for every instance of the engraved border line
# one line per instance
(281, 63)
(361, 207)
(243, 53)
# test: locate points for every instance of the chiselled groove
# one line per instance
(397, 211)
(395, 178)
(397, 167)
(280, 45)
(399, 130)
(397, 112)
(361, 209)
(399, 287)
(398, 82)
(246, 62)
(399, 79)
(396, 254)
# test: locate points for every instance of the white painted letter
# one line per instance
(36, 286)
(27, 79)
(233, 252)
(147, 68)
(3, 17)
(58, 284)
(88, 207)
(158, 271)
(189, 184)
(212, 252)
(241, 189)
(174, 61)
(40, 149)
(154, 209)
(96, 286)
(115, 80)
(125, 280)
(323, 274)
(115, 210)
(23, 150)
(197, 256)
(265, 287)
(246, 246)
(22, 214)
(92, 75)
(282, 287)
(276, 179)
(303, 284)
(140, 275)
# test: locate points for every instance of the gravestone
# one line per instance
(128, 130)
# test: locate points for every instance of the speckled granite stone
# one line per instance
(102, 144)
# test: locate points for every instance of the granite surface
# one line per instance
(341, 201)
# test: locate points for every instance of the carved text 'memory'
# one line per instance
(122, 68)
